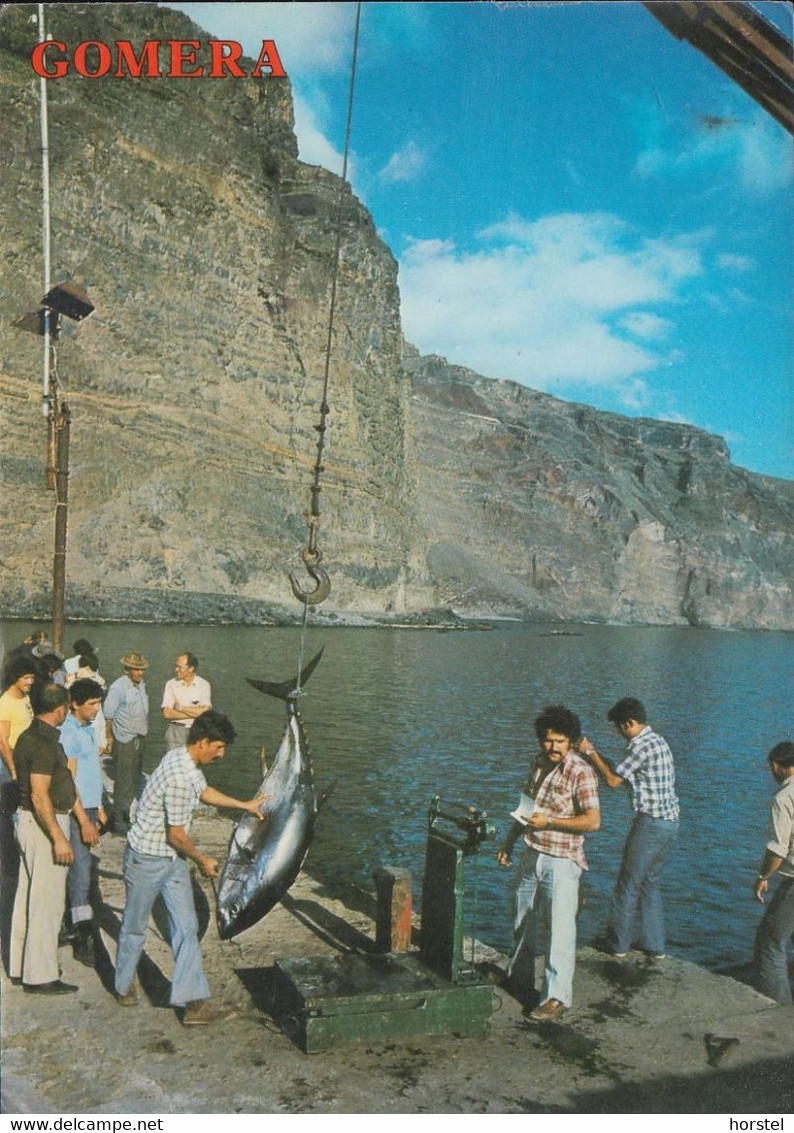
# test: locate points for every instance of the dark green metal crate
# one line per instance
(325, 1001)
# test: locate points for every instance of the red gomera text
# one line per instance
(94, 59)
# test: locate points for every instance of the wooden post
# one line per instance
(62, 425)
(393, 918)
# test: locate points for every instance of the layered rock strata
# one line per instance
(208, 249)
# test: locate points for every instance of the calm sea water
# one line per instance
(399, 716)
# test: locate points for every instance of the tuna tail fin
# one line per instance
(287, 690)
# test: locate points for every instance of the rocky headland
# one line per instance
(195, 388)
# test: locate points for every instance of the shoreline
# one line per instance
(349, 620)
(636, 1040)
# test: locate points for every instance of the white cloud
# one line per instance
(635, 395)
(405, 165)
(642, 324)
(759, 151)
(765, 157)
(732, 262)
(548, 308)
(313, 146)
(676, 418)
(311, 38)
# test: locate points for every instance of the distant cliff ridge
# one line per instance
(557, 510)
(207, 248)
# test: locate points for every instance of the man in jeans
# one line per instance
(126, 712)
(78, 740)
(155, 864)
(648, 771)
(565, 793)
(776, 930)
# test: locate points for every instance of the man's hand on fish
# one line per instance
(503, 857)
(253, 805)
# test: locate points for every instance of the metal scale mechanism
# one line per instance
(324, 1001)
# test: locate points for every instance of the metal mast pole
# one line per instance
(45, 186)
(58, 419)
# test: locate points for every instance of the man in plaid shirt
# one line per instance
(648, 771)
(155, 864)
(565, 793)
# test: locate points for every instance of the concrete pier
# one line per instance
(641, 1038)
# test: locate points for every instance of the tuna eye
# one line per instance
(234, 910)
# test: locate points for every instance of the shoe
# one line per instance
(201, 1012)
(619, 955)
(54, 987)
(65, 936)
(83, 948)
(549, 1011)
(129, 998)
(650, 955)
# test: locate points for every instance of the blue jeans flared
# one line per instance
(547, 901)
(146, 878)
(637, 906)
(772, 941)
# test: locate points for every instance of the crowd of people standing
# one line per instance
(59, 720)
(57, 802)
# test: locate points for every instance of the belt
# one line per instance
(28, 810)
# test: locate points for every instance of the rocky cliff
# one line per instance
(556, 510)
(195, 389)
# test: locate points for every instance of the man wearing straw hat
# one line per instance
(126, 711)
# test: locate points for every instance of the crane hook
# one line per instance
(318, 573)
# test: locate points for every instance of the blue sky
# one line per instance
(577, 200)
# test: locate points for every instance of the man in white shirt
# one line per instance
(186, 696)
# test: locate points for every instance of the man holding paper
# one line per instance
(562, 789)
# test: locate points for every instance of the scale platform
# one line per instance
(325, 1001)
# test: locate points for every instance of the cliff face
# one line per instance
(555, 510)
(208, 250)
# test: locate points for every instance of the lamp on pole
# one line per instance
(71, 301)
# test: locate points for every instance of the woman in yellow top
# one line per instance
(16, 713)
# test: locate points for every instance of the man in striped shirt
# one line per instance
(648, 771)
(565, 793)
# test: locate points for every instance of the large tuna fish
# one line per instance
(265, 857)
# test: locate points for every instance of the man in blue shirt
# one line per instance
(127, 717)
(647, 770)
(78, 740)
